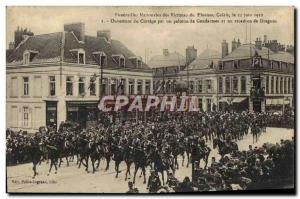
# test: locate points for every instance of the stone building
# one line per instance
(55, 77)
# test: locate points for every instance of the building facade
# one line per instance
(252, 77)
(57, 77)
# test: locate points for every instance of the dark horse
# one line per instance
(225, 148)
(140, 161)
(35, 155)
(162, 164)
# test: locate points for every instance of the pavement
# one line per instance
(74, 180)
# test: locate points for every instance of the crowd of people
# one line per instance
(156, 143)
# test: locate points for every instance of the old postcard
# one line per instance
(150, 99)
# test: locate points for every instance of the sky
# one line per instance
(155, 37)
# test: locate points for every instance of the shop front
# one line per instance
(84, 113)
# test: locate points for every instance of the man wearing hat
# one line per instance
(154, 182)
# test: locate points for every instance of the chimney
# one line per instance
(238, 43)
(258, 43)
(224, 48)
(104, 34)
(234, 45)
(165, 52)
(265, 39)
(11, 45)
(190, 54)
(20, 35)
(274, 46)
(78, 30)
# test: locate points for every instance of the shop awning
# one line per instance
(224, 99)
(276, 101)
(239, 99)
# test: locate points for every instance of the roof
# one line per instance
(172, 59)
(203, 61)
(49, 49)
(48, 46)
(249, 50)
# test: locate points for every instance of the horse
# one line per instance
(162, 164)
(35, 153)
(223, 147)
(84, 150)
(117, 152)
(140, 161)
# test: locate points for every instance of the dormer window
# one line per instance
(236, 64)
(137, 61)
(122, 62)
(100, 58)
(120, 59)
(79, 54)
(221, 67)
(28, 56)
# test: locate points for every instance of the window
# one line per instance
(131, 87)
(200, 86)
(121, 87)
(276, 85)
(243, 85)
(227, 85)
(52, 85)
(292, 90)
(235, 85)
(281, 85)
(200, 104)
(81, 59)
(122, 62)
(272, 85)
(236, 64)
(284, 85)
(14, 87)
(92, 87)
(139, 63)
(26, 58)
(113, 86)
(288, 85)
(220, 89)
(271, 64)
(25, 86)
(267, 84)
(221, 67)
(139, 87)
(69, 86)
(103, 60)
(191, 89)
(208, 86)
(81, 88)
(25, 116)
(147, 87)
(103, 86)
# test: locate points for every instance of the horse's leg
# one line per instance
(117, 168)
(98, 164)
(51, 164)
(93, 164)
(60, 161)
(163, 178)
(107, 162)
(127, 169)
(135, 171)
(182, 160)
(67, 160)
(87, 164)
(144, 173)
(34, 169)
(188, 159)
(55, 165)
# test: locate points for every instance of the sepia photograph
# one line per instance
(150, 99)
